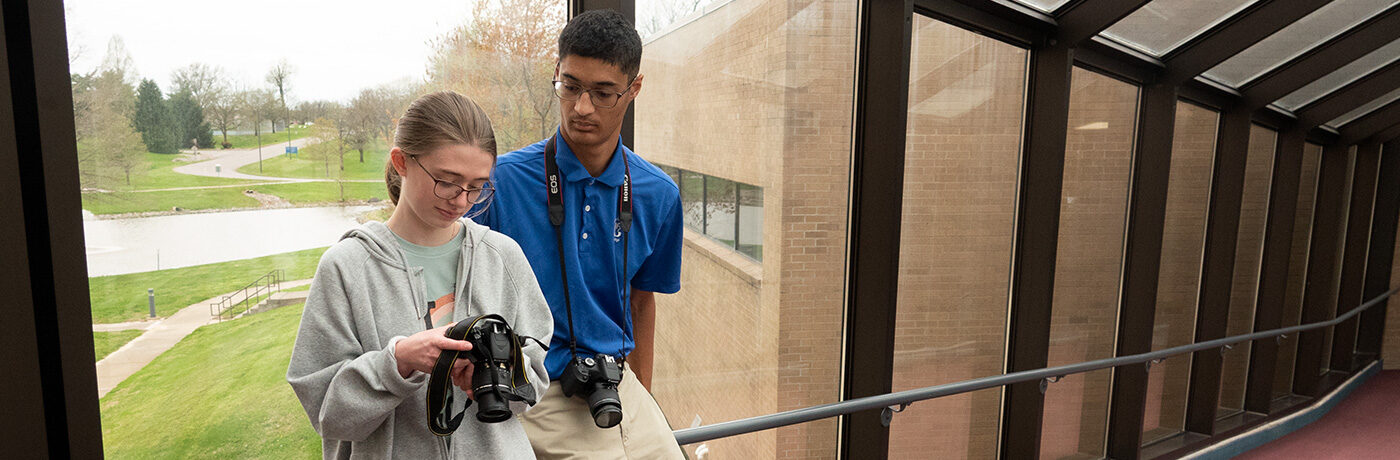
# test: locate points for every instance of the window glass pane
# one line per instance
(757, 92)
(1179, 274)
(1365, 109)
(693, 199)
(222, 149)
(1297, 267)
(720, 196)
(1162, 25)
(751, 221)
(1093, 209)
(1249, 248)
(1323, 24)
(1341, 77)
(963, 143)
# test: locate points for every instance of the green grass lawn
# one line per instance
(306, 165)
(219, 393)
(119, 298)
(161, 174)
(249, 141)
(303, 193)
(125, 202)
(104, 343)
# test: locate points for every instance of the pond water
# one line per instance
(141, 244)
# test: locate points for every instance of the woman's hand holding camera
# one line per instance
(419, 352)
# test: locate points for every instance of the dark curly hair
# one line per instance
(603, 35)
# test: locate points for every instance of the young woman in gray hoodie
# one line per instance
(364, 350)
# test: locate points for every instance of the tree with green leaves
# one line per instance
(189, 121)
(152, 119)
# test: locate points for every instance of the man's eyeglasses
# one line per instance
(602, 99)
(448, 191)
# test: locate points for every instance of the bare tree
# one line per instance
(203, 81)
(109, 149)
(504, 60)
(279, 76)
(255, 106)
(656, 15)
(224, 108)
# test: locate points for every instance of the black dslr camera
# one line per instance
(595, 378)
(500, 374)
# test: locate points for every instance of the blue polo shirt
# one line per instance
(592, 242)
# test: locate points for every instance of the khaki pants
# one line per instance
(561, 427)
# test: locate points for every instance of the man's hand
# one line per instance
(419, 352)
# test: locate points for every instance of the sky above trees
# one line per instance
(336, 47)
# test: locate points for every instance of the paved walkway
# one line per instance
(159, 337)
(230, 160)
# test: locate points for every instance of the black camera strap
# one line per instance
(554, 184)
(440, 419)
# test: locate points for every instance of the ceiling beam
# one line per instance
(1341, 50)
(1234, 35)
(1388, 134)
(1082, 20)
(1371, 124)
(1351, 96)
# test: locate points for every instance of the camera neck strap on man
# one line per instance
(440, 419)
(554, 183)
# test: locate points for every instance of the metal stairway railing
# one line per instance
(889, 402)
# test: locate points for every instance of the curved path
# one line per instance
(230, 160)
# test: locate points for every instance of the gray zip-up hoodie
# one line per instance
(363, 300)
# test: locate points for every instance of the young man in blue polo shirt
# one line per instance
(583, 206)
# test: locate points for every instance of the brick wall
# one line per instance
(961, 165)
(1249, 247)
(759, 91)
(715, 353)
(1098, 153)
(1179, 271)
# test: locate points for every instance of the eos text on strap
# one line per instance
(593, 378)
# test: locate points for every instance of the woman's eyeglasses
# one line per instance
(449, 191)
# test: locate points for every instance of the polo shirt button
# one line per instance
(587, 208)
(585, 235)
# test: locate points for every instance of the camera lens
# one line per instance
(606, 408)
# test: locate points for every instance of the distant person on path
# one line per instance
(194, 145)
(362, 357)
(603, 235)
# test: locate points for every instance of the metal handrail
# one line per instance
(226, 304)
(907, 397)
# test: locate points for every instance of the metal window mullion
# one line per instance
(1274, 263)
(1319, 293)
(1218, 268)
(1363, 197)
(736, 214)
(59, 333)
(628, 8)
(877, 177)
(1382, 247)
(1142, 258)
(1036, 239)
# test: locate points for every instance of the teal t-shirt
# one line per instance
(440, 264)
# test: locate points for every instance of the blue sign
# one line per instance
(291, 150)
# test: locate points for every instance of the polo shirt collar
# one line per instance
(574, 171)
